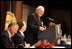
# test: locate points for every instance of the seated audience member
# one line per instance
(6, 37)
(51, 22)
(19, 37)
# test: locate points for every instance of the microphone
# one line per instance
(50, 19)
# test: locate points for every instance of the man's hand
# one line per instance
(42, 28)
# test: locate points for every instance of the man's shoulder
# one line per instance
(5, 33)
(17, 34)
(33, 14)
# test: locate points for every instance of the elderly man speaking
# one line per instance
(34, 24)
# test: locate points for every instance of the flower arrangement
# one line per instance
(46, 45)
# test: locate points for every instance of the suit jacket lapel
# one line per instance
(20, 34)
(21, 37)
(8, 36)
(9, 39)
(38, 21)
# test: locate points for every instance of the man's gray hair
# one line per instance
(39, 7)
(13, 24)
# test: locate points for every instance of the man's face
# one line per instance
(24, 25)
(13, 29)
(23, 28)
(51, 23)
(40, 12)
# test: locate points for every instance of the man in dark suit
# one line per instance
(34, 24)
(6, 40)
(19, 37)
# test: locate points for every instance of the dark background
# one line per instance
(52, 9)
(60, 11)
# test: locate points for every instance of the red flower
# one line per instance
(43, 42)
(49, 45)
(46, 46)
(42, 46)
(37, 47)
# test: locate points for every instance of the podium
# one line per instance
(50, 34)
